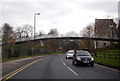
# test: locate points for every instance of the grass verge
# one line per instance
(109, 62)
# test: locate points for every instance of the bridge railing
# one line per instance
(37, 37)
(59, 36)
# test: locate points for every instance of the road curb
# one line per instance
(117, 68)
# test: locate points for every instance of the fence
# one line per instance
(109, 54)
(40, 51)
(108, 57)
(10, 51)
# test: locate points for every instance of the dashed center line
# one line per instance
(61, 59)
(72, 71)
(64, 63)
(69, 67)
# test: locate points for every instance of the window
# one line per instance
(104, 44)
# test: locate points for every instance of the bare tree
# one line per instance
(19, 32)
(71, 34)
(88, 31)
(53, 32)
(27, 30)
(41, 33)
(8, 36)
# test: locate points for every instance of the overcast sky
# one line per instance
(64, 15)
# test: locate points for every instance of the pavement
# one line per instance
(57, 67)
(14, 64)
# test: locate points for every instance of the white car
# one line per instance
(70, 54)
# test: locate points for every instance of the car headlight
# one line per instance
(92, 58)
(78, 58)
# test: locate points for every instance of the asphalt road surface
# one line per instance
(57, 67)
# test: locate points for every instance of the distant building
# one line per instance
(104, 28)
(119, 30)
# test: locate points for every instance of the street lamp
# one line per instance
(34, 29)
(35, 22)
(111, 27)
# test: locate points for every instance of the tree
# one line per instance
(25, 31)
(8, 36)
(53, 32)
(41, 33)
(88, 31)
(19, 32)
(71, 34)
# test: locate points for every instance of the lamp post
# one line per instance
(35, 22)
(34, 28)
(111, 27)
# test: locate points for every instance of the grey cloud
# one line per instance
(19, 12)
(24, 11)
(14, 11)
(109, 7)
(54, 10)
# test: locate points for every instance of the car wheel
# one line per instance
(66, 58)
(92, 64)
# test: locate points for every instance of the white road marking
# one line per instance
(72, 71)
(64, 63)
(61, 59)
(69, 67)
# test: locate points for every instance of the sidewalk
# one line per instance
(9, 65)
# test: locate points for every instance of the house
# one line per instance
(104, 28)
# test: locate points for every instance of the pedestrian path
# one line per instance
(6, 66)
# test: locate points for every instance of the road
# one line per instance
(57, 67)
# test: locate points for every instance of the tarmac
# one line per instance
(9, 66)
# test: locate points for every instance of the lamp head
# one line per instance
(38, 14)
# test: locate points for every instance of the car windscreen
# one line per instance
(82, 53)
(70, 52)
